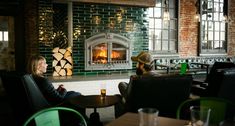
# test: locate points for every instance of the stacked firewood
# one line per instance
(62, 61)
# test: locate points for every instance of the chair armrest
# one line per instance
(203, 65)
(204, 85)
(199, 87)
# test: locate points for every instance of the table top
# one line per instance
(132, 119)
(94, 101)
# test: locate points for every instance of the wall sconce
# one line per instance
(166, 14)
(129, 25)
(119, 15)
(197, 5)
(96, 19)
(112, 22)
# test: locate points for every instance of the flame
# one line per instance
(101, 55)
(115, 54)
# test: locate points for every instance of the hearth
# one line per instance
(107, 51)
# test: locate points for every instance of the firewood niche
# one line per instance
(62, 61)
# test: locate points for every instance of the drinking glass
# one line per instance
(148, 116)
(200, 115)
(103, 90)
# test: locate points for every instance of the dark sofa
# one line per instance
(162, 92)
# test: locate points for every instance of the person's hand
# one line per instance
(61, 88)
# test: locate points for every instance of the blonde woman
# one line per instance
(37, 66)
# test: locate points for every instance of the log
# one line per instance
(57, 69)
(69, 59)
(58, 56)
(69, 72)
(55, 74)
(54, 63)
(69, 49)
(62, 51)
(56, 50)
(68, 65)
(67, 54)
(62, 63)
(62, 72)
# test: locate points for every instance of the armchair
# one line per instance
(37, 101)
(210, 86)
(35, 98)
(227, 87)
(162, 92)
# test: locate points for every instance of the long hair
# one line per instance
(33, 64)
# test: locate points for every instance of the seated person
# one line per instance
(144, 67)
(37, 66)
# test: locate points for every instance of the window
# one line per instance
(163, 34)
(213, 27)
(3, 33)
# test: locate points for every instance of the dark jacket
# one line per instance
(50, 93)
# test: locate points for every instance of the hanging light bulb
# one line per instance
(225, 18)
(197, 16)
(166, 14)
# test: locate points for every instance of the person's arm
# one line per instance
(49, 91)
(61, 89)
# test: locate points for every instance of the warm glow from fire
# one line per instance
(101, 55)
(115, 54)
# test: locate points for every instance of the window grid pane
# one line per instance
(213, 27)
(163, 34)
(5, 35)
(1, 35)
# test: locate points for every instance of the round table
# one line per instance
(95, 101)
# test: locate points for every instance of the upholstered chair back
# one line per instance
(162, 92)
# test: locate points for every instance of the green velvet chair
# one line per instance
(221, 109)
(56, 116)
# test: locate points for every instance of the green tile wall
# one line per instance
(134, 25)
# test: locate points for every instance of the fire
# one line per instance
(101, 55)
(115, 55)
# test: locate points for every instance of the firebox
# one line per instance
(107, 51)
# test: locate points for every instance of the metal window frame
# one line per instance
(153, 39)
(203, 52)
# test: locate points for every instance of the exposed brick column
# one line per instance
(188, 29)
(31, 27)
(231, 28)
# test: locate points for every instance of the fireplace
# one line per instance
(107, 51)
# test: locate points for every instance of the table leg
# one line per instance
(95, 119)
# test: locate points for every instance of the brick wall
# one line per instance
(31, 27)
(188, 30)
(231, 28)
